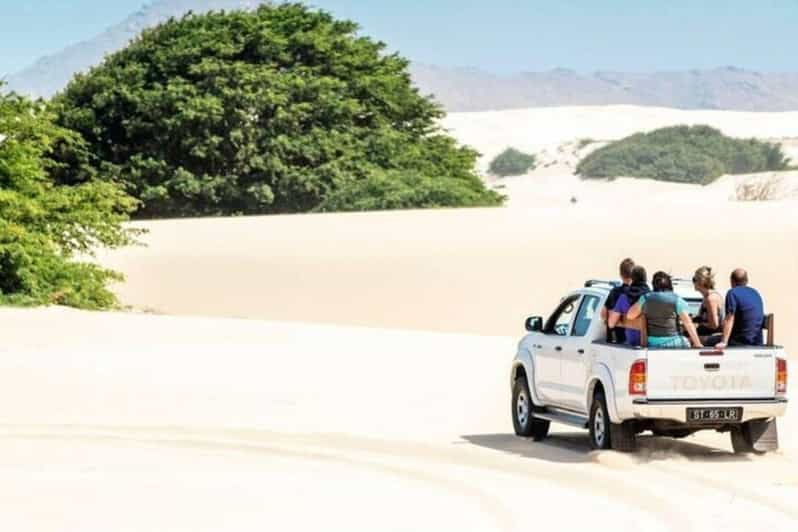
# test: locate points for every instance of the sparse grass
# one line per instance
(763, 189)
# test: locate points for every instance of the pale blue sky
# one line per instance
(496, 35)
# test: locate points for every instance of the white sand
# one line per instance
(113, 421)
(131, 422)
(477, 271)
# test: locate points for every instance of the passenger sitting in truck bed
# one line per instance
(664, 310)
(617, 334)
(745, 313)
(629, 296)
(710, 317)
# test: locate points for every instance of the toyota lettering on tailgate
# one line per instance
(711, 382)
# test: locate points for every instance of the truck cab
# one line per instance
(566, 371)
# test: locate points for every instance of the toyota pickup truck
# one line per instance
(565, 371)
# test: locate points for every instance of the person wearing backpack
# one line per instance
(617, 334)
(630, 294)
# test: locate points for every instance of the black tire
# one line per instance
(599, 423)
(623, 437)
(524, 421)
(740, 443)
(747, 437)
(607, 435)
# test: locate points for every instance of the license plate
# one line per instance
(711, 415)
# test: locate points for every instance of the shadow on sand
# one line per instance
(574, 447)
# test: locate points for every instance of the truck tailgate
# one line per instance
(735, 373)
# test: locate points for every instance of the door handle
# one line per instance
(580, 351)
(558, 348)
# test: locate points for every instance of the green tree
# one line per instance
(44, 226)
(512, 162)
(685, 154)
(267, 111)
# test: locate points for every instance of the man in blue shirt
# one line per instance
(745, 313)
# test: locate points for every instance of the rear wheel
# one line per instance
(599, 423)
(624, 437)
(604, 434)
(524, 421)
(757, 437)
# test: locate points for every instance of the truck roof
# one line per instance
(682, 287)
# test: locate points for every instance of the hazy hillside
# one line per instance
(51, 73)
(722, 88)
(467, 89)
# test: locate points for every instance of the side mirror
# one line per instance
(534, 324)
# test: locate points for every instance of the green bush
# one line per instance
(684, 154)
(397, 189)
(43, 226)
(512, 162)
(257, 112)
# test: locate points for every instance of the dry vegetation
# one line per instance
(761, 189)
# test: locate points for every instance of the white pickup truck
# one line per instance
(565, 371)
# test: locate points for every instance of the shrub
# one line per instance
(684, 154)
(396, 189)
(253, 112)
(512, 162)
(44, 226)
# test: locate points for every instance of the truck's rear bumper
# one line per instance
(677, 410)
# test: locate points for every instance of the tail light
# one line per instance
(637, 378)
(781, 375)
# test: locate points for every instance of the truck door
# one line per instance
(575, 357)
(548, 379)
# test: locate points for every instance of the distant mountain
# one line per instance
(721, 88)
(467, 89)
(50, 74)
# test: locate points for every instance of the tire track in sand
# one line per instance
(405, 459)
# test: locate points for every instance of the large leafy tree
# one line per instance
(45, 227)
(267, 111)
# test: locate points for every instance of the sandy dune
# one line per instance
(476, 271)
(364, 385)
(539, 128)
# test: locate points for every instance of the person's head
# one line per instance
(626, 270)
(639, 275)
(704, 279)
(662, 282)
(739, 277)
